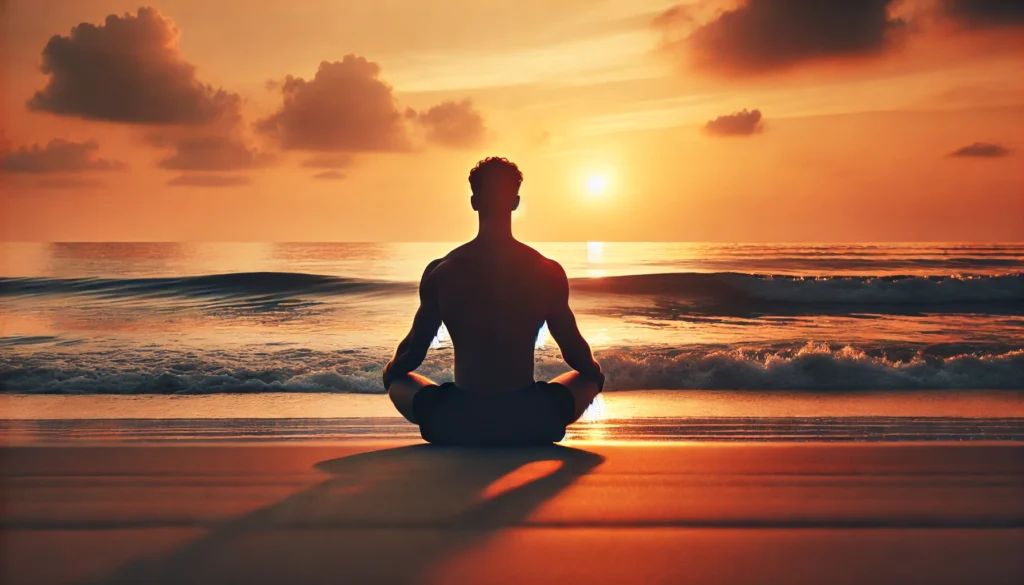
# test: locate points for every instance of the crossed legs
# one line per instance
(403, 390)
(583, 391)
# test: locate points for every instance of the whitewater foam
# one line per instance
(816, 367)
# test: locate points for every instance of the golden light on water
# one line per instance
(596, 411)
(595, 255)
(592, 426)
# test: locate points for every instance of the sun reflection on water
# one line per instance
(595, 412)
(592, 425)
(595, 255)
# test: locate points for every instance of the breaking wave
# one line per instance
(812, 367)
(720, 287)
(732, 286)
(213, 285)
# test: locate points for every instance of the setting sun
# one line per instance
(597, 184)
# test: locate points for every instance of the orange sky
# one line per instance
(200, 120)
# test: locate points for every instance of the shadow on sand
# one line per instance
(386, 516)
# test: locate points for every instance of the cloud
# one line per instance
(333, 163)
(346, 107)
(208, 181)
(128, 69)
(338, 161)
(766, 35)
(330, 175)
(986, 13)
(453, 124)
(211, 153)
(58, 156)
(742, 123)
(982, 150)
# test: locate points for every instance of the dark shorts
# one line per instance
(537, 414)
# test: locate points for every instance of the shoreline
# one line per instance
(659, 430)
(621, 404)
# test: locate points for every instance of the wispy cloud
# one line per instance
(982, 150)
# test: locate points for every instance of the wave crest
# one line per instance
(840, 290)
(813, 367)
(227, 284)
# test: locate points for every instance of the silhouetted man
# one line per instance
(493, 293)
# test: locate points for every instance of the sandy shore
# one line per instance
(621, 404)
(388, 512)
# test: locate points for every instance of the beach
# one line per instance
(404, 512)
(903, 488)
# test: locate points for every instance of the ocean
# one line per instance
(213, 318)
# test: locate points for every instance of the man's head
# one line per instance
(495, 182)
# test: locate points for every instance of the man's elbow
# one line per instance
(585, 364)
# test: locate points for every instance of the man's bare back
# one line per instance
(494, 294)
(494, 298)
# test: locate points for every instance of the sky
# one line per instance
(335, 120)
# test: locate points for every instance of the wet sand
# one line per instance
(395, 512)
(619, 404)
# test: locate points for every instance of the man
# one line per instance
(493, 293)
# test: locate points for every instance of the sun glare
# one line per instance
(597, 184)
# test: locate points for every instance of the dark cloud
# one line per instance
(128, 69)
(453, 124)
(338, 161)
(208, 181)
(330, 175)
(764, 35)
(211, 153)
(742, 123)
(58, 156)
(346, 107)
(986, 13)
(982, 150)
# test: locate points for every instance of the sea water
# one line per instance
(212, 318)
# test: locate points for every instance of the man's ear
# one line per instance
(515, 205)
(474, 203)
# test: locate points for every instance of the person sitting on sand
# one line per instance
(493, 294)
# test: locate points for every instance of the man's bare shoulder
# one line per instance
(537, 258)
(463, 252)
(551, 268)
(432, 273)
(447, 266)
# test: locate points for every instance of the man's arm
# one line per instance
(413, 348)
(562, 326)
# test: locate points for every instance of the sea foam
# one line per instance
(816, 367)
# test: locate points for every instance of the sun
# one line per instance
(597, 184)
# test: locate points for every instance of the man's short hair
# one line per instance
(494, 168)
